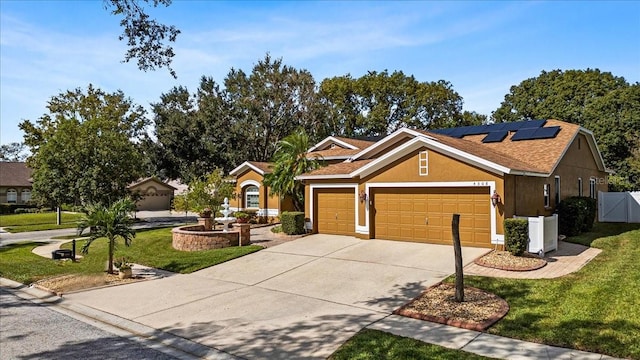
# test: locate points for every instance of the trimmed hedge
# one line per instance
(6, 208)
(576, 214)
(292, 222)
(516, 236)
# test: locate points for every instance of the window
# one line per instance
(26, 195)
(557, 186)
(547, 195)
(579, 186)
(151, 191)
(252, 197)
(12, 196)
(592, 188)
(423, 163)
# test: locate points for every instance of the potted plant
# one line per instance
(124, 268)
(242, 217)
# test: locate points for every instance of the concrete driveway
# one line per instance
(300, 299)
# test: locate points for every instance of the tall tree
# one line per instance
(85, 150)
(290, 160)
(599, 101)
(270, 103)
(145, 36)
(13, 152)
(379, 103)
(110, 222)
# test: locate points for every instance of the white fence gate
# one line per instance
(619, 207)
(543, 233)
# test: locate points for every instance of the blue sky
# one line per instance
(482, 48)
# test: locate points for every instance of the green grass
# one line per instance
(151, 248)
(373, 344)
(38, 222)
(595, 309)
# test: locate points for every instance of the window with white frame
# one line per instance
(423, 163)
(557, 188)
(252, 197)
(579, 186)
(592, 188)
(26, 195)
(12, 196)
(546, 191)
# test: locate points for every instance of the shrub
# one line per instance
(575, 215)
(516, 236)
(292, 222)
(7, 208)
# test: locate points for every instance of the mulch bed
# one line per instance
(503, 260)
(478, 311)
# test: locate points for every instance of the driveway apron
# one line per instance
(303, 298)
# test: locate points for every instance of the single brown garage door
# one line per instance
(424, 214)
(335, 209)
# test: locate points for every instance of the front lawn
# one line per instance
(15, 223)
(596, 309)
(150, 247)
(374, 344)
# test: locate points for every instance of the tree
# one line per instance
(270, 103)
(205, 194)
(290, 160)
(145, 37)
(85, 150)
(380, 103)
(13, 152)
(599, 101)
(111, 222)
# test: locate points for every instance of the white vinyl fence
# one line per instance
(621, 207)
(543, 233)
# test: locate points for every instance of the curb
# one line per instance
(162, 341)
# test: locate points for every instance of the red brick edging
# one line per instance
(504, 309)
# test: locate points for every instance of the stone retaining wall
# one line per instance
(195, 238)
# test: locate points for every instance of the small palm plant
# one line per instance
(108, 222)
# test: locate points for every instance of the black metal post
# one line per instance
(73, 250)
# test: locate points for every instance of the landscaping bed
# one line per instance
(478, 311)
(504, 260)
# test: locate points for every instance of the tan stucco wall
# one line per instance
(266, 201)
(578, 162)
(442, 168)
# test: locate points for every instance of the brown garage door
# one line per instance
(424, 214)
(335, 209)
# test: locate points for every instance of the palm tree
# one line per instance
(290, 160)
(108, 222)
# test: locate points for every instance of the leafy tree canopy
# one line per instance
(599, 101)
(85, 149)
(380, 103)
(290, 160)
(13, 152)
(145, 36)
(205, 194)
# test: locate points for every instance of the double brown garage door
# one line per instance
(409, 214)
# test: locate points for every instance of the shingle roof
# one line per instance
(333, 152)
(359, 143)
(15, 174)
(342, 168)
(538, 156)
(264, 166)
(151, 178)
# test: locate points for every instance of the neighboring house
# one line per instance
(156, 194)
(407, 185)
(15, 183)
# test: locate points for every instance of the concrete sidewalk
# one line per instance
(477, 342)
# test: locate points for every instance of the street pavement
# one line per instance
(34, 331)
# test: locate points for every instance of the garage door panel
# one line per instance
(336, 211)
(424, 214)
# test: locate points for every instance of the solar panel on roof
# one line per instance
(477, 130)
(533, 124)
(457, 132)
(536, 133)
(495, 136)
